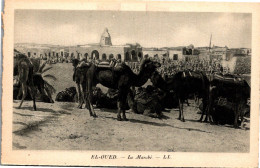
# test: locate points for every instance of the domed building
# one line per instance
(104, 50)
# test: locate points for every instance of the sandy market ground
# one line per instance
(61, 126)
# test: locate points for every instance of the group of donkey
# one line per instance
(121, 77)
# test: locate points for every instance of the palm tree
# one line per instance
(39, 78)
(48, 88)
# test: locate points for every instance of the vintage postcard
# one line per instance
(157, 84)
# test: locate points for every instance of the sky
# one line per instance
(149, 29)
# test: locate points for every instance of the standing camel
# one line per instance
(79, 77)
(183, 84)
(24, 69)
(121, 78)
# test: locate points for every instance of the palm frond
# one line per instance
(42, 66)
(50, 76)
(49, 87)
(45, 70)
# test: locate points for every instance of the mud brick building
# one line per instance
(104, 50)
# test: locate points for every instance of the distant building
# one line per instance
(42, 51)
(219, 53)
(241, 51)
(186, 53)
(104, 50)
(176, 54)
(155, 52)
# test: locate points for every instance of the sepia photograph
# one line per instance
(86, 72)
(127, 80)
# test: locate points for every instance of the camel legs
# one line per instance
(181, 116)
(208, 103)
(119, 110)
(24, 90)
(206, 111)
(88, 99)
(124, 104)
(236, 115)
(203, 112)
(241, 114)
(19, 93)
(121, 104)
(197, 102)
(32, 93)
(79, 94)
(82, 95)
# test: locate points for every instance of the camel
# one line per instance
(234, 89)
(79, 77)
(24, 69)
(121, 78)
(183, 84)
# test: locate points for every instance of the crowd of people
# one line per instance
(170, 67)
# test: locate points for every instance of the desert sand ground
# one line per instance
(61, 126)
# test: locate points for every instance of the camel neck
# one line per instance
(162, 84)
(140, 79)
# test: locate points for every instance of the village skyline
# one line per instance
(149, 29)
(37, 45)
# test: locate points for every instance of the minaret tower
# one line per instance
(105, 38)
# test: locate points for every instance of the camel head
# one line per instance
(149, 66)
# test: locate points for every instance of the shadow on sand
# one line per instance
(68, 106)
(47, 110)
(165, 125)
(31, 126)
(191, 120)
(34, 126)
(39, 109)
(158, 124)
(105, 110)
(24, 115)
